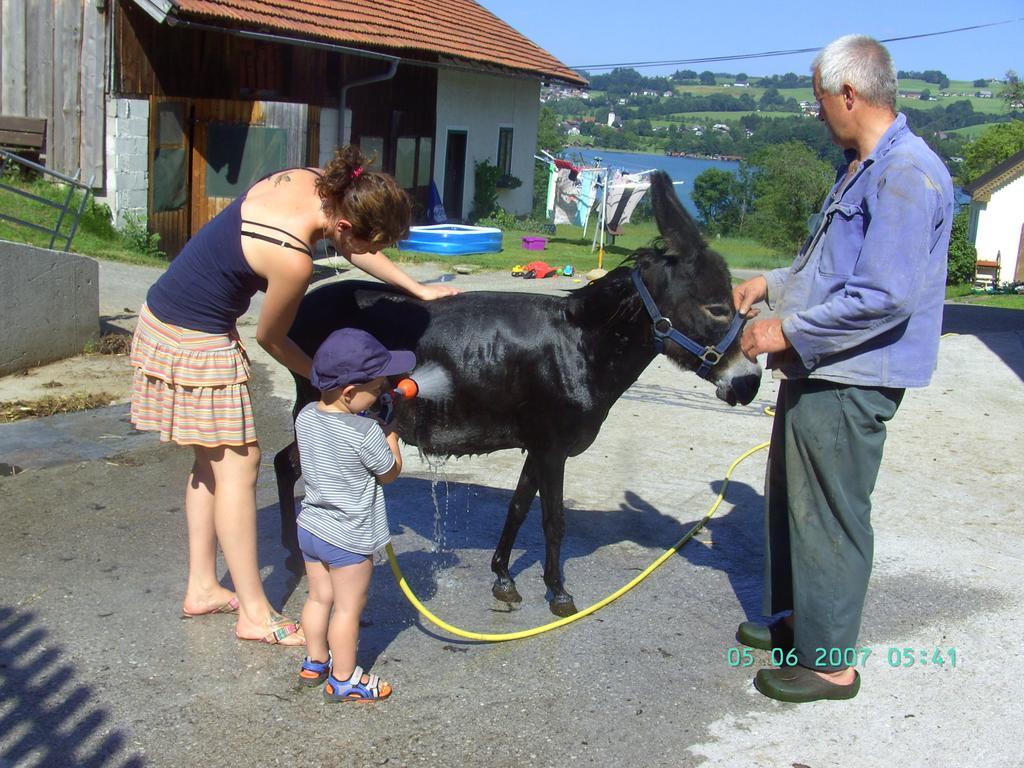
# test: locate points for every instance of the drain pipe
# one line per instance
(343, 97)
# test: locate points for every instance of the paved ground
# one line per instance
(96, 668)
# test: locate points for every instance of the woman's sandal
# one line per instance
(353, 689)
(314, 672)
(280, 629)
(231, 606)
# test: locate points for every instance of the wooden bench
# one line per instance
(25, 136)
(986, 273)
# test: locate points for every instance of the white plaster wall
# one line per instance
(999, 227)
(479, 104)
(127, 153)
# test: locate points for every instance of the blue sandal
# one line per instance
(314, 672)
(353, 689)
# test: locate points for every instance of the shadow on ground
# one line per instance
(46, 717)
(989, 324)
(452, 517)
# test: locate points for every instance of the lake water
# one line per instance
(684, 169)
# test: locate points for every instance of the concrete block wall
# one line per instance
(49, 305)
(127, 182)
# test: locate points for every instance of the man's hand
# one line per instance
(745, 295)
(763, 336)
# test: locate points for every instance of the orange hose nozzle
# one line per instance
(407, 388)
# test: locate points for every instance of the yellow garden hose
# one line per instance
(491, 637)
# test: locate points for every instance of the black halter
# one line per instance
(709, 356)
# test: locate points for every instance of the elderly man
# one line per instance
(857, 320)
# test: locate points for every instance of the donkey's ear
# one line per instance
(677, 227)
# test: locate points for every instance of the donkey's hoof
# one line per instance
(562, 606)
(505, 590)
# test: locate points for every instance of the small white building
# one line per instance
(997, 219)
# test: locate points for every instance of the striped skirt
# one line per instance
(190, 386)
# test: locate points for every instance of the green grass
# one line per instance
(973, 131)
(95, 236)
(724, 117)
(568, 246)
(964, 294)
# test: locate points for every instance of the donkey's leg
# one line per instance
(287, 471)
(551, 471)
(504, 587)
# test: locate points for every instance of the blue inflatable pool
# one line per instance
(452, 239)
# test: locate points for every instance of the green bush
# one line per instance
(963, 256)
(506, 221)
(485, 190)
(137, 236)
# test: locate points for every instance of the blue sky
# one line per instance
(606, 32)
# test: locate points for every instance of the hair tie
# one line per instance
(357, 172)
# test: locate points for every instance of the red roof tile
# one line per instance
(459, 28)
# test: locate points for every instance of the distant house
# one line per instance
(175, 106)
(997, 218)
(983, 94)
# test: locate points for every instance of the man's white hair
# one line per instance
(861, 61)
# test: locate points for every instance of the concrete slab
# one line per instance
(97, 669)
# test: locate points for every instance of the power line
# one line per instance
(770, 54)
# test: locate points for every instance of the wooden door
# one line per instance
(170, 171)
(1018, 276)
(208, 152)
(454, 174)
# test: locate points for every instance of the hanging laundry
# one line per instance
(588, 195)
(573, 170)
(567, 197)
(549, 208)
(624, 193)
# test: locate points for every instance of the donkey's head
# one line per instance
(691, 287)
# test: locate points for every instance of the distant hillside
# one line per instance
(723, 114)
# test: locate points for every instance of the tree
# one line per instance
(996, 144)
(707, 77)
(963, 256)
(926, 95)
(719, 197)
(788, 182)
(552, 140)
(1013, 92)
(981, 82)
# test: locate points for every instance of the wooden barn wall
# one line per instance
(162, 61)
(54, 65)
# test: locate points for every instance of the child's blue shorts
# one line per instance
(316, 550)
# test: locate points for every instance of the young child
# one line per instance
(345, 459)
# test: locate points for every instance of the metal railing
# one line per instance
(9, 161)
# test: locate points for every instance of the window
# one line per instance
(238, 155)
(372, 148)
(505, 151)
(405, 162)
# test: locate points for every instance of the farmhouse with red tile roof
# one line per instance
(177, 105)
